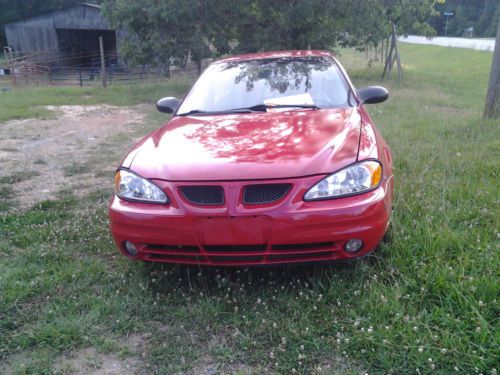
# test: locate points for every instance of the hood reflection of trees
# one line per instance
(279, 74)
(282, 137)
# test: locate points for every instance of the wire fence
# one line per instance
(86, 69)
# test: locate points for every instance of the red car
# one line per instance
(271, 158)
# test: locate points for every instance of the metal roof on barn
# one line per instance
(40, 32)
(60, 12)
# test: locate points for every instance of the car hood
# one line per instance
(258, 145)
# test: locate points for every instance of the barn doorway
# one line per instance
(79, 47)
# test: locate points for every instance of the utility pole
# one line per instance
(447, 14)
(492, 107)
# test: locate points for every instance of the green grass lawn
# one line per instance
(426, 301)
(30, 102)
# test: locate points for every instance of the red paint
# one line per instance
(262, 145)
(299, 147)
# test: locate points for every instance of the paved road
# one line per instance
(479, 44)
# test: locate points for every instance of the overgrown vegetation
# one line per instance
(157, 34)
(427, 301)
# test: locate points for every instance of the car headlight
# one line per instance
(355, 179)
(130, 186)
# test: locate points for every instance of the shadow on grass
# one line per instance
(263, 279)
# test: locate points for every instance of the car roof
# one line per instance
(277, 54)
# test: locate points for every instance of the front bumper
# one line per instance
(235, 234)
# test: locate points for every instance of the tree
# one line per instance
(290, 24)
(162, 31)
(159, 31)
(393, 17)
(492, 108)
(481, 15)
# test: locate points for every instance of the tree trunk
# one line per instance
(492, 108)
(396, 50)
(388, 62)
(198, 66)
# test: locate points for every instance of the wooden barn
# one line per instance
(71, 34)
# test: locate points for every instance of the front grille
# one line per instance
(265, 193)
(204, 195)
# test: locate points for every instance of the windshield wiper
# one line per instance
(254, 108)
(192, 112)
(225, 111)
(265, 107)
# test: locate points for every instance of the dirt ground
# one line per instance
(89, 361)
(41, 157)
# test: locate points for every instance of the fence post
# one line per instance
(103, 63)
(80, 76)
(8, 59)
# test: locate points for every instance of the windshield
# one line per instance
(281, 82)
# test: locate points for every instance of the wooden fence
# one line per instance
(53, 69)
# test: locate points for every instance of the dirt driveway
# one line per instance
(76, 150)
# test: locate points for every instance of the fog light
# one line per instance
(353, 245)
(130, 248)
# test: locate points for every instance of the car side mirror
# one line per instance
(373, 94)
(168, 104)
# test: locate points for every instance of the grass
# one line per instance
(30, 102)
(425, 302)
(18, 177)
